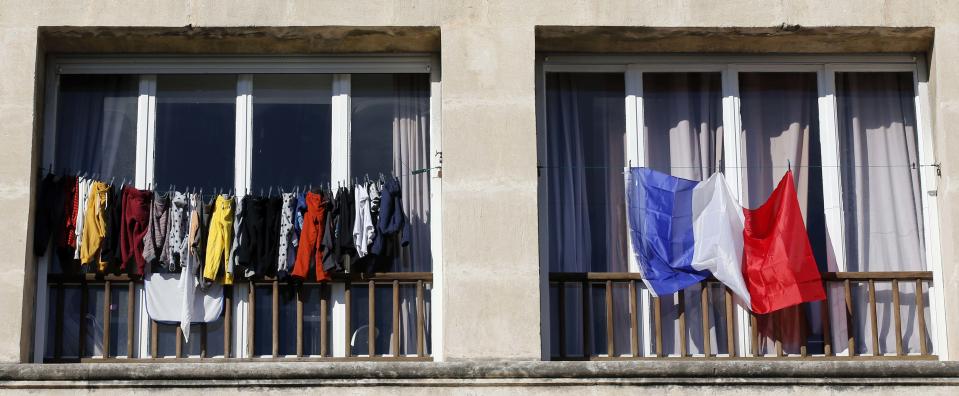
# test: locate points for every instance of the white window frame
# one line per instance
(825, 66)
(147, 68)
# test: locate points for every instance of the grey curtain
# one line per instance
(684, 137)
(585, 222)
(881, 198)
(780, 122)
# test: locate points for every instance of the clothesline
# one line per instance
(620, 168)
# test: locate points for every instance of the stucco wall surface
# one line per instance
(490, 265)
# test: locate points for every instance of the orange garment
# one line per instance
(311, 237)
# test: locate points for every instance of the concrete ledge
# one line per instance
(485, 373)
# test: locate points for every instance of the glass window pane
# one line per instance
(166, 339)
(780, 127)
(263, 321)
(583, 172)
(96, 125)
(683, 123)
(93, 321)
(291, 130)
(371, 124)
(879, 156)
(71, 322)
(119, 309)
(49, 350)
(195, 131)
(287, 321)
(311, 319)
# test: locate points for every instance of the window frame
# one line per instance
(147, 67)
(825, 66)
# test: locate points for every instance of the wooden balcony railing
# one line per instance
(836, 283)
(84, 284)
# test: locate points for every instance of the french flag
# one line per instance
(683, 231)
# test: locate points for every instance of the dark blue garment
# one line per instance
(661, 228)
(391, 223)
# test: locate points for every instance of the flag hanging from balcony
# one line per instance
(779, 266)
(683, 230)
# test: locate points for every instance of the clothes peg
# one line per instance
(789, 165)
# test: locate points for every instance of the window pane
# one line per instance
(390, 135)
(119, 309)
(263, 321)
(780, 127)
(287, 321)
(93, 321)
(879, 157)
(683, 122)
(582, 172)
(311, 319)
(166, 339)
(195, 131)
(96, 125)
(291, 130)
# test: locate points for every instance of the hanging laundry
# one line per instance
(271, 237)
(136, 218)
(327, 245)
(343, 243)
(178, 239)
(779, 266)
(219, 239)
(309, 250)
(95, 225)
(110, 249)
(83, 192)
(362, 223)
(287, 252)
(391, 225)
(253, 248)
(238, 240)
(156, 239)
(66, 233)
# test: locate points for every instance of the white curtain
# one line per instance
(881, 198)
(780, 122)
(411, 132)
(584, 204)
(684, 138)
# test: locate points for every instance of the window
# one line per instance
(850, 132)
(257, 126)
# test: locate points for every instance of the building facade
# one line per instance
(507, 125)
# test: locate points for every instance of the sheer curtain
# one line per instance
(584, 204)
(780, 122)
(881, 197)
(411, 132)
(684, 138)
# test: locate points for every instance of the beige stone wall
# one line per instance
(489, 236)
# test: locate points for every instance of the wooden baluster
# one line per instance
(754, 332)
(58, 322)
(873, 318)
(562, 320)
(633, 320)
(371, 323)
(851, 331)
(299, 320)
(396, 318)
(179, 342)
(106, 319)
(704, 308)
(587, 290)
(227, 320)
(83, 318)
(898, 319)
(658, 323)
(776, 319)
(131, 310)
(275, 319)
(730, 324)
(347, 302)
(610, 334)
(921, 312)
(251, 321)
(154, 339)
(420, 321)
(826, 325)
(682, 323)
(204, 334)
(324, 332)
